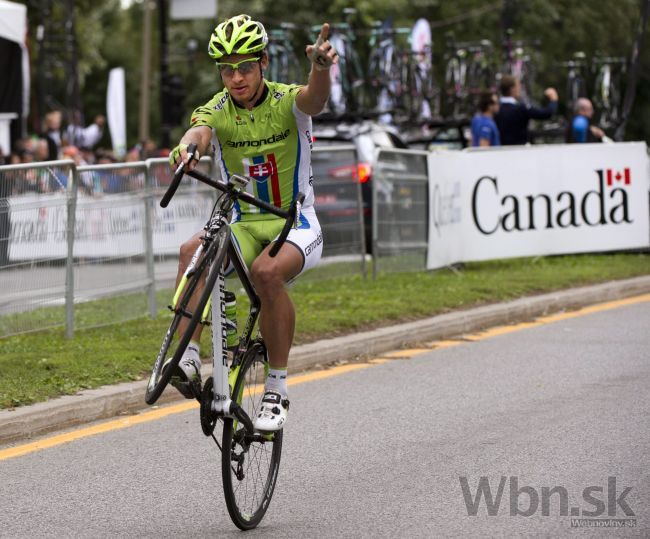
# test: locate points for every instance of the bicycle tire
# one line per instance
(248, 496)
(451, 95)
(212, 258)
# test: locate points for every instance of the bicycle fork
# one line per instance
(223, 379)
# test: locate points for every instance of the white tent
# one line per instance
(13, 26)
(13, 21)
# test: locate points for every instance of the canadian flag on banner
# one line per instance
(615, 175)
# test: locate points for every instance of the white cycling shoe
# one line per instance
(272, 414)
(187, 374)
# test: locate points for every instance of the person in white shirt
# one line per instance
(85, 137)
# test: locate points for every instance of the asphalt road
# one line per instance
(385, 451)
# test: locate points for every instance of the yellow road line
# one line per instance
(310, 377)
(158, 413)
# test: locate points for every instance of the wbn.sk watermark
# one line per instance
(603, 506)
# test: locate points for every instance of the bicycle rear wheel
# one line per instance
(249, 464)
(174, 345)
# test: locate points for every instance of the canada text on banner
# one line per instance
(531, 201)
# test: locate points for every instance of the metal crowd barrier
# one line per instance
(37, 207)
(75, 236)
(339, 208)
(400, 189)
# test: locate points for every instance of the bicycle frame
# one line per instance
(223, 376)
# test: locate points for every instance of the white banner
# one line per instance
(530, 201)
(116, 110)
(193, 9)
(107, 226)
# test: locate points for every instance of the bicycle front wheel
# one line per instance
(174, 345)
(249, 463)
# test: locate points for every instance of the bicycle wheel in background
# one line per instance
(421, 79)
(173, 345)
(249, 464)
(452, 88)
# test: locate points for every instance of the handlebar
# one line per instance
(291, 216)
(178, 176)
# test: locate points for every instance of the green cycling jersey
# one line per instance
(271, 143)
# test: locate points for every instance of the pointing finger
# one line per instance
(324, 31)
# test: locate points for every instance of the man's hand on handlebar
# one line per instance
(179, 154)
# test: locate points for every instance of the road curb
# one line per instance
(110, 401)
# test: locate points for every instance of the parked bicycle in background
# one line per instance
(576, 81)
(283, 62)
(607, 93)
(348, 92)
(518, 63)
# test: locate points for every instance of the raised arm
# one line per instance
(544, 113)
(313, 97)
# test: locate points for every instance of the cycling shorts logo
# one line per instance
(310, 248)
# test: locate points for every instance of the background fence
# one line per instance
(36, 209)
(339, 207)
(400, 204)
(88, 246)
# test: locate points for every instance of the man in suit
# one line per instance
(513, 116)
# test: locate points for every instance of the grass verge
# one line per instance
(38, 366)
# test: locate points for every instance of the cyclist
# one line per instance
(261, 129)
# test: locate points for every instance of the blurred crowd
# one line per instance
(77, 142)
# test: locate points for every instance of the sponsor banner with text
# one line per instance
(107, 226)
(532, 201)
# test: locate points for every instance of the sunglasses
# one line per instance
(244, 67)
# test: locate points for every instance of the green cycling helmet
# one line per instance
(237, 35)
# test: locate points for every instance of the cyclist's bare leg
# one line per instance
(277, 314)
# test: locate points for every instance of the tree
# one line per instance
(110, 36)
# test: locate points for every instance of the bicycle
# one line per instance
(384, 69)
(468, 73)
(576, 85)
(519, 64)
(455, 78)
(283, 62)
(607, 89)
(347, 94)
(250, 460)
(423, 94)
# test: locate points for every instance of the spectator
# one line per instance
(512, 118)
(85, 137)
(88, 155)
(41, 150)
(52, 133)
(149, 149)
(484, 130)
(580, 128)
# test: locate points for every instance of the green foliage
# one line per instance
(110, 36)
